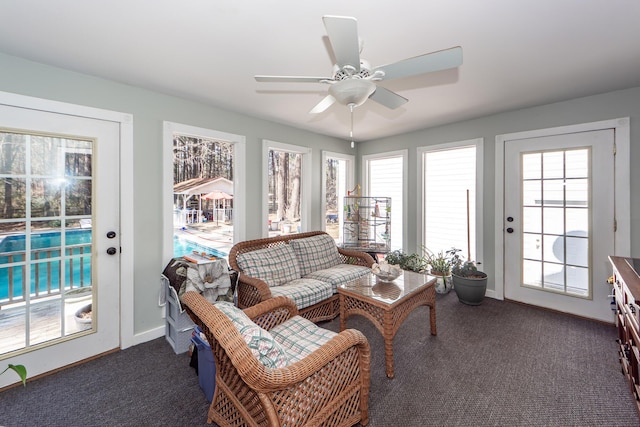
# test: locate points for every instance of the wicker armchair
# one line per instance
(251, 290)
(329, 387)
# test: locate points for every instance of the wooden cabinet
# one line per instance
(626, 291)
(367, 224)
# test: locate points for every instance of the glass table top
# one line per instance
(388, 292)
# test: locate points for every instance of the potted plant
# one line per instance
(413, 262)
(469, 283)
(18, 369)
(441, 268)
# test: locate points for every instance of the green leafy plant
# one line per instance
(462, 268)
(18, 369)
(412, 262)
(442, 261)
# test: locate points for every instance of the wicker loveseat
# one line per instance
(276, 368)
(307, 267)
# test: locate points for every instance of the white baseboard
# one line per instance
(149, 335)
(491, 294)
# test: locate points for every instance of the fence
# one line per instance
(42, 276)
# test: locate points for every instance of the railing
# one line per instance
(44, 277)
(194, 216)
(183, 217)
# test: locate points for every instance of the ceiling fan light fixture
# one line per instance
(352, 91)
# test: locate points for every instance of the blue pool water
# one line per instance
(183, 247)
(46, 278)
(45, 272)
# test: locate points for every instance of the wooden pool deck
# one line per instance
(45, 323)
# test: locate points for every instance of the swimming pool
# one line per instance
(44, 274)
(45, 265)
(183, 246)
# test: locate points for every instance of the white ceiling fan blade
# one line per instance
(326, 102)
(292, 79)
(429, 62)
(343, 34)
(388, 98)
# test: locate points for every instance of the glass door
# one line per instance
(59, 238)
(559, 221)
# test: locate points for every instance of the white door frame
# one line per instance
(126, 192)
(622, 178)
(125, 123)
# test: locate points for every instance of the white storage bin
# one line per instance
(179, 325)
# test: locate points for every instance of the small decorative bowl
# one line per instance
(389, 276)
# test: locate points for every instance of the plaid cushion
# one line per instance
(339, 274)
(300, 337)
(315, 253)
(276, 266)
(304, 292)
(260, 341)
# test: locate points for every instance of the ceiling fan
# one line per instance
(354, 80)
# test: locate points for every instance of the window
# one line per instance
(384, 177)
(204, 190)
(450, 199)
(45, 249)
(337, 179)
(556, 195)
(286, 184)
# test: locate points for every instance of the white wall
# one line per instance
(149, 110)
(612, 105)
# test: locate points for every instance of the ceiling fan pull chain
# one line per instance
(351, 132)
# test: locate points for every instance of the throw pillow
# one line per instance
(315, 253)
(275, 266)
(260, 341)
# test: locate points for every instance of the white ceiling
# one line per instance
(516, 53)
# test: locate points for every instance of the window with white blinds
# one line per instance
(385, 180)
(449, 182)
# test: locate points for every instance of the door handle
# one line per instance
(112, 251)
(509, 230)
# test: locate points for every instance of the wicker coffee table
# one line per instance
(387, 305)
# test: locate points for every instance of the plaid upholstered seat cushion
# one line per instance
(275, 266)
(315, 253)
(304, 292)
(339, 274)
(300, 337)
(261, 342)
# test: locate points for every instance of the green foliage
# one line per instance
(20, 370)
(442, 261)
(395, 257)
(463, 268)
(413, 262)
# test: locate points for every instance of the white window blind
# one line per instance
(385, 180)
(448, 175)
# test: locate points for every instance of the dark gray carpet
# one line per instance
(498, 364)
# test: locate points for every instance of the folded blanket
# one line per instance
(211, 279)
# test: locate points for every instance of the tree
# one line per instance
(195, 157)
(293, 211)
(281, 183)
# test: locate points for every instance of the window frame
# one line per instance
(350, 180)
(479, 222)
(239, 179)
(366, 188)
(305, 184)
